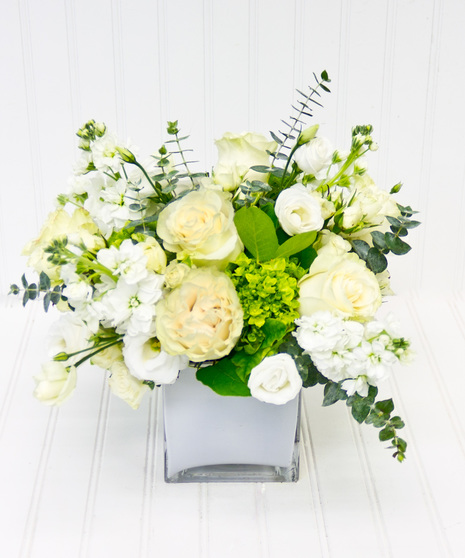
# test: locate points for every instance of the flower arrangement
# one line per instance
(265, 274)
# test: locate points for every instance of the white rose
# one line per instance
(275, 380)
(341, 283)
(146, 361)
(156, 257)
(201, 225)
(236, 154)
(202, 318)
(126, 386)
(106, 358)
(56, 383)
(175, 273)
(315, 157)
(298, 210)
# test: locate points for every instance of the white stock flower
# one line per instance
(147, 361)
(315, 157)
(236, 154)
(128, 261)
(55, 383)
(298, 210)
(131, 308)
(275, 380)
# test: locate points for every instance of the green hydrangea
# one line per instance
(265, 290)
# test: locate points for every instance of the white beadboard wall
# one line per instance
(233, 66)
(86, 480)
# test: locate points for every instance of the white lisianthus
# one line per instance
(147, 361)
(131, 308)
(68, 335)
(105, 154)
(315, 157)
(275, 380)
(339, 282)
(236, 154)
(202, 318)
(128, 261)
(55, 383)
(124, 385)
(201, 225)
(298, 210)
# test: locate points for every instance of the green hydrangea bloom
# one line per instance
(265, 290)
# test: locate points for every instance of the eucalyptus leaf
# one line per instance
(333, 393)
(396, 245)
(376, 260)
(361, 248)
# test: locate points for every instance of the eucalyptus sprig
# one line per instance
(33, 291)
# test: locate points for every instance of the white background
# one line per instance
(71, 482)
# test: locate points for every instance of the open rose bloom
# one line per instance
(265, 275)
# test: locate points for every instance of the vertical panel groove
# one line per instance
(208, 79)
(149, 478)
(343, 76)
(442, 390)
(253, 65)
(436, 522)
(428, 135)
(95, 468)
(31, 107)
(73, 64)
(312, 472)
(34, 506)
(384, 546)
(118, 67)
(163, 78)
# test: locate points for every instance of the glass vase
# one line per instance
(212, 438)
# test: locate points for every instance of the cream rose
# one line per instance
(315, 157)
(298, 210)
(78, 227)
(201, 225)
(156, 257)
(236, 154)
(339, 282)
(106, 358)
(126, 386)
(275, 380)
(55, 383)
(202, 318)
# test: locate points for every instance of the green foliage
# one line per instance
(229, 375)
(266, 291)
(32, 291)
(257, 232)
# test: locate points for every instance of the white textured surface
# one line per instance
(87, 480)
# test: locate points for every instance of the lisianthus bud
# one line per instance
(307, 135)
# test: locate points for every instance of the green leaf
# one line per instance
(25, 297)
(361, 407)
(332, 393)
(396, 245)
(376, 260)
(24, 281)
(222, 378)
(400, 444)
(397, 422)
(386, 434)
(296, 244)
(257, 232)
(14, 289)
(44, 281)
(386, 406)
(379, 240)
(47, 299)
(260, 168)
(361, 248)
(306, 257)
